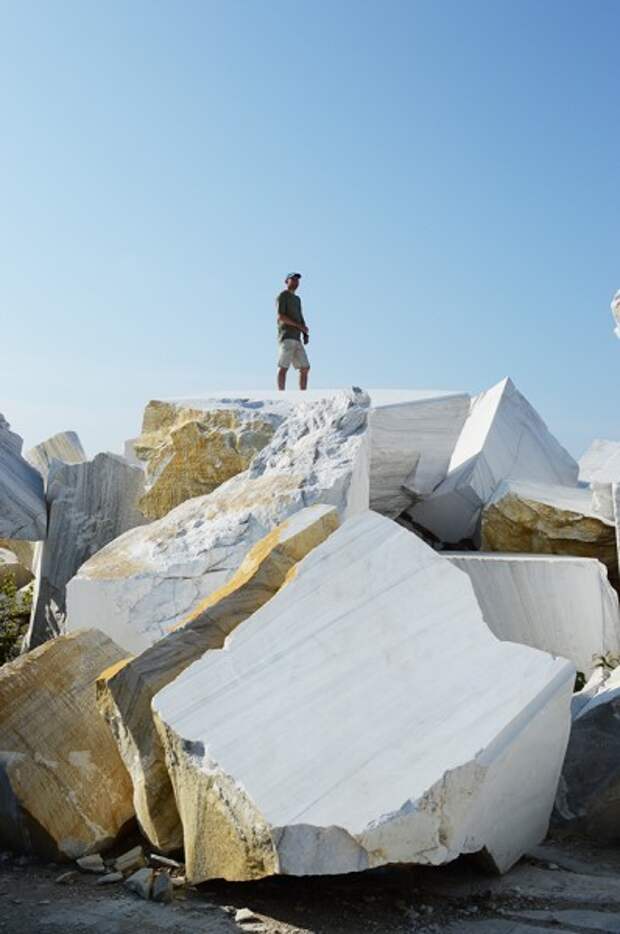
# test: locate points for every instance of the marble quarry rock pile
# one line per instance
(503, 438)
(548, 519)
(560, 604)
(65, 790)
(316, 740)
(90, 504)
(189, 452)
(23, 513)
(312, 633)
(148, 579)
(125, 691)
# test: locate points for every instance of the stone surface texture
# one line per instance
(503, 438)
(64, 791)
(189, 452)
(601, 462)
(23, 514)
(126, 691)
(412, 434)
(562, 605)
(147, 580)
(90, 504)
(322, 740)
(65, 447)
(11, 568)
(545, 519)
(588, 798)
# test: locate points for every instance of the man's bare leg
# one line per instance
(303, 378)
(282, 377)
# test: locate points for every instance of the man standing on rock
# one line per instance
(292, 330)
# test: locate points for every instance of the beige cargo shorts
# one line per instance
(293, 353)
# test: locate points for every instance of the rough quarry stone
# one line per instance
(125, 692)
(147, 580)
(11, 568)
(64, 446)
(189, 452)
(90, 504)
(562, 605)
(23, 514)
(319, 740)
(503, 437)
(588, 797)
(64, 791)
(545, 519)
(412, 435)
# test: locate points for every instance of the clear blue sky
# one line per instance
(444, 174)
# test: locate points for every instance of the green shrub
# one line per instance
(14, 613)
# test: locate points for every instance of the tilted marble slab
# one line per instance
(64, 789)
(23, 513)
(147, 580)
(503, 437)
(64, 446)
(90, 504)
(366, 715)
(125, 691)
(562, 605)
(541, 518)
(412, 434)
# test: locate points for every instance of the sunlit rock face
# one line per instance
(125, 692)
(503, 438)
(545, 519)
(147, 580)
(561, 604)
(190, 452)
(319, 740)
(65, 447)
(65, 790)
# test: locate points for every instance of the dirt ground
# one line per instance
(561, 887)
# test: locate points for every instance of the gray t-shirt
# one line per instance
(289, 305)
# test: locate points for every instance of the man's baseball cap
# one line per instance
(293, 275)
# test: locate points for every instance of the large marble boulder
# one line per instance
(189, 451)
(546, 519)
(64, 789)
(90, 504)
(64, 446)
(412, 434)
(601, 462)
(147, 580)
(365, 715)
(588, 797)
(126, 690)
(23, 514)
(563, 605)
(503, 438)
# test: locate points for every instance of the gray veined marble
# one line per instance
(23, 513)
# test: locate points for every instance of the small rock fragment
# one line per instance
(132, 859)
(66, 878)
(244, 915)
(141, 882)
(110, 877)
(162, 888)
(165, 861)
(178, 881)
(92, 863)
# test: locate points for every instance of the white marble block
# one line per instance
(65, 447)
(503, 438)
(143, 583)
(23, 513)
(563, 605)
(365, 715)
(90, 504)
